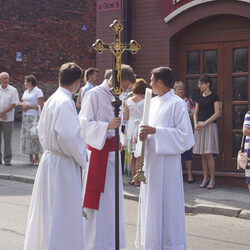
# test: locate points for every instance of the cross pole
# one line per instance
(117, 48)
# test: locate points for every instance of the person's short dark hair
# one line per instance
(164, 74)
(127, 73)
(206, 79)
(69, 73)
(31, 78)
(139, 87)
(108, 74)
(89, 72)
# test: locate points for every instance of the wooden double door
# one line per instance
(227, 61)
(228, 65)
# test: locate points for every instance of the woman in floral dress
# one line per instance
(32, 103)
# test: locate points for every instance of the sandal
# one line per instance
(204, 183)
(131, 182)
(36, 163)
(31, 163)
(211, 185)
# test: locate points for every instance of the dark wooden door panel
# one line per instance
(190, 77)
(236, 102)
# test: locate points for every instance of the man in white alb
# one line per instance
(99, 179)
(168, 135)
(55, 216)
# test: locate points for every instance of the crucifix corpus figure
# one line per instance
(103, 179)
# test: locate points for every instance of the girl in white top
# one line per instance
(133, 111)
(32, 99)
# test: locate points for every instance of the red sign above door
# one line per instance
(171, 8)
(108, 5)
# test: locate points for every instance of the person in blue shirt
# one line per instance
(91, 77)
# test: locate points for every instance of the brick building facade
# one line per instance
(193, 37)
(47, 34)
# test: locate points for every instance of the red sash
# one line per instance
(97, 174)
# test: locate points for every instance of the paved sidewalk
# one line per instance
(223, 200)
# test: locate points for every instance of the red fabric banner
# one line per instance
(97, 174)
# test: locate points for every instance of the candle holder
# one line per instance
(84, 214)
(140, 177)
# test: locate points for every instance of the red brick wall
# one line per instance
(147, 26)
(150, 31)
(48, 33)
(144, 26)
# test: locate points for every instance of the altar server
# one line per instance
(99, 178)
(168, 135)
(55, 216)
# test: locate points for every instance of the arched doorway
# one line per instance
(220, 47)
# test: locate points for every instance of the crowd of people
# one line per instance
(77, 167)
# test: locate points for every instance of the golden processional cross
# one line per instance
(117, 48)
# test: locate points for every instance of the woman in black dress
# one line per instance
(207, 111)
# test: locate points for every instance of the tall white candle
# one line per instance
(146, 109)
(83, 122)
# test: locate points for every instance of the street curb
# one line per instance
(130, 197)
(207, 209)
(196, 209)
(244, 214)
(19, 178)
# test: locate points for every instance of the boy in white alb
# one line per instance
(168, 135)
(55, 216)
(99, 229)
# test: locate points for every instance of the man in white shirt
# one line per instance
(8, 100)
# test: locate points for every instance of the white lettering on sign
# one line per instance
(176, 1)
(108, 5)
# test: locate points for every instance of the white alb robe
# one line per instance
(55, 216)
(162, 198)
(99, 229)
